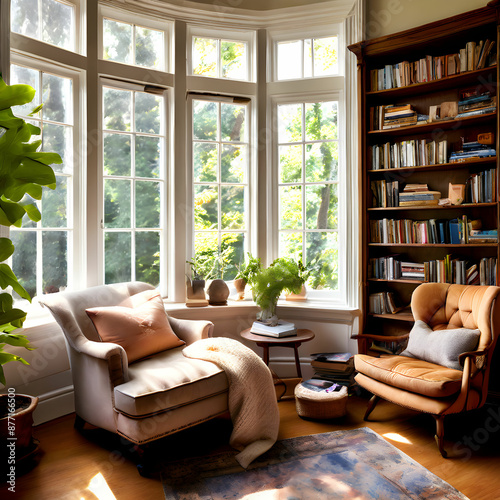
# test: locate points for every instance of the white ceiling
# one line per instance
(252, 4)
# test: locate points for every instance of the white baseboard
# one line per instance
(54, 404)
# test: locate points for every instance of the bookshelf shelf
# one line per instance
(423, 48)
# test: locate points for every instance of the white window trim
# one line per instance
(247, 36)
(122, 16)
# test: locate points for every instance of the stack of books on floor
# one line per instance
(337, 367)
(473, 103)
(282, 329)
(418, 194)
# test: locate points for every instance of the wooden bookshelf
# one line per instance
(436, 39)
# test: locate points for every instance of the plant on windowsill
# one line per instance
(246, 273)
(283, 275)
(23, 172)
(195, 285)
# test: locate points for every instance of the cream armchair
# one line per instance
(149, 398)
(447, 317)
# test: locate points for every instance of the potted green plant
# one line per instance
(23, 172)
(195, 285)
(246, 273)
(284, 274)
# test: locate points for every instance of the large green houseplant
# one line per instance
(23, 172)
(283, 275)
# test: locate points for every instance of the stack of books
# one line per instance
(418, 194)
(282, 329)
(321, 385)
(474, 102)
(472, 151)
(413, 271)
(395, 116)
(483, 236)
(337, 367)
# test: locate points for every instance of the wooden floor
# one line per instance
(70, 461)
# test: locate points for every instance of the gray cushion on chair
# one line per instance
(440, 346)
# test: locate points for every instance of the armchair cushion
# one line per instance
(142, 330)
(440, 346)
(410, 374)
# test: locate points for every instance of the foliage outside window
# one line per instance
(308, 58)
(132, 44)
(42, 257)
(134, 177)
(219, 58)
(50, 21)
(309, 188)
(220, 174)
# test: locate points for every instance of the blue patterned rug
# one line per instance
(357, 464)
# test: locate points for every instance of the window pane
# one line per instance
(289, 60)
(57, 99)
(232, 122)
(54, 260)
(234, 60)
(290, 163)
(321, 206)
(322, 161)
(24, 259)
(321, 121)
(205, 57)
(147, 156)
(117, 257)
(205, 160)
(117, 203)
(59, 139)
(290, 123)
(290, 244)
(28, 76)
(24, 17)
(326, 56)
(147, 113)
(147, 204)
(206, 247)
(322, 253)
(290, 207)
(308, 59)
(117, 156)
(147, 257)
(117, 41)
(58, 24)
(205, 120)
(55, 204)
(149, 48)
(117, 109)
(233, 163)
(233, 252)
(205, 207)
(232, 207)
(27, 222)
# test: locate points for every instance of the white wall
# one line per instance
(384, 17)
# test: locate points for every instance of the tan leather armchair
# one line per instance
(151, 397)
(429, 387)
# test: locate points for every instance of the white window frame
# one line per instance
(167, 27)
(76, 215)
(276, 36)
(164, 180)
(249, 37)
(250, 201)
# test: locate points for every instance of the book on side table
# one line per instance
(282, 329)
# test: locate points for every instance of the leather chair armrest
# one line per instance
(191, 330)
(382, 338)
(478, 358)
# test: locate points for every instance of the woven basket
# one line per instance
(320, 405)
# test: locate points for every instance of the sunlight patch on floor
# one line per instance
(393, 436)
(99, 487)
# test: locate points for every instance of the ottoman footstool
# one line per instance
(320, 404)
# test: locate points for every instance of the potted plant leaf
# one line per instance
(23, 172)
(246, 273)
(284, 274)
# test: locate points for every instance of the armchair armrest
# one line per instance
(191, 330)
(478, 358)
(382, 338)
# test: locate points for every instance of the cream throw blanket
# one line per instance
(252, 397)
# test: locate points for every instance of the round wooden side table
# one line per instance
(303, 335)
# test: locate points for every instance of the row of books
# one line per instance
(447, 270)
(475, 55)
(410, 153)
(390, 116)
(383, 303)
(481, 187)
(430, 231)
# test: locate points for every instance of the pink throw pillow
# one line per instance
(142, 330)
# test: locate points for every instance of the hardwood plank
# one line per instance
(69, 460)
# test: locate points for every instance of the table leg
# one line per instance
(265, 354)
(297, 361)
